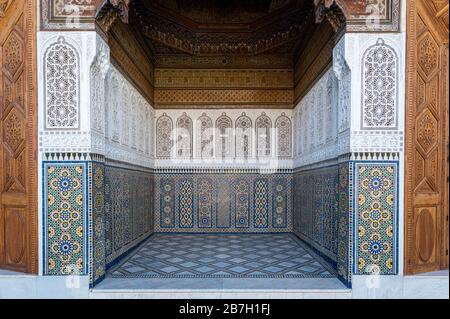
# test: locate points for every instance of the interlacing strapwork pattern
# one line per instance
(283, 128)
(205, 134)
(215, 136)
(164, 127)
(65, 202)
(224, 127)
(263, 138)
(62, 80)
(316, 122)
(184, 136)
(223, 202)
(376, 212)
(243, 136)
(379, 87)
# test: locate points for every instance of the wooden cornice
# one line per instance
(110, 10)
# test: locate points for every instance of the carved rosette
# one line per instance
(110, 11)
(334, 11)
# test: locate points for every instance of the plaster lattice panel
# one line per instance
(64, 100)
(377, 68)
(315, 122)
(129, 122)
(223, 138)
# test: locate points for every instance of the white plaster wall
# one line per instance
(273, 161)
(124, 103)
(380, 141)
(315, 129)
(71, 140)
(89, 138)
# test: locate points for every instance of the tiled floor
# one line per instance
(222, 256)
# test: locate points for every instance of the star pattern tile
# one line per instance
(222, 256)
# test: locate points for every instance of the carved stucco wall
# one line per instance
(343, 90)
(365, 135)
(209, 138)
(91, 116)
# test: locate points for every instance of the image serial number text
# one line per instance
(231, 309)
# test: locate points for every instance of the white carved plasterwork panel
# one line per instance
(283, 129)
(343, 74)
(64, 61)
(126, 114)
(164, 128)
(99, 69)
(320, 115)
(244, 136)
(206, 136)
(379, 82)
(134, 109)
(129, 121)
(105, 124)
(184, 139)
(316, 116)
(263, 126)
(377, 141)
(330, 108)
(226, 137)
(62, 85)
(113, 110)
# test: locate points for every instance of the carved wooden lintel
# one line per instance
(110, 10)
(335, 11)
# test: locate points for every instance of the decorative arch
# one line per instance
(283, 128)
(205, 136)
(299, 127)
(243, 136)
(330, 109)
(148, 127)
(224, 146)
(304, 124)
(184, 136)
(319, 122)
(164, 127)
(379, 90)
(133, 114)
(115, 110)
(263, 127)
(125, 113)
(62, 90)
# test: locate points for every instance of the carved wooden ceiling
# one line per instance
(207, 53)
(222, 27)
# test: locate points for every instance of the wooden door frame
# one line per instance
(411, 62)
(29, 198)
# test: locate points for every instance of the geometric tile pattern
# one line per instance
(128, 209)
(223, 202)
(344, 220)
(65, 209)
(375, 228)
(222, 256)
(97, 220)
(316, 202)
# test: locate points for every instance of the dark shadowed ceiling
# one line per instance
(223, 27)
(222, 11)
